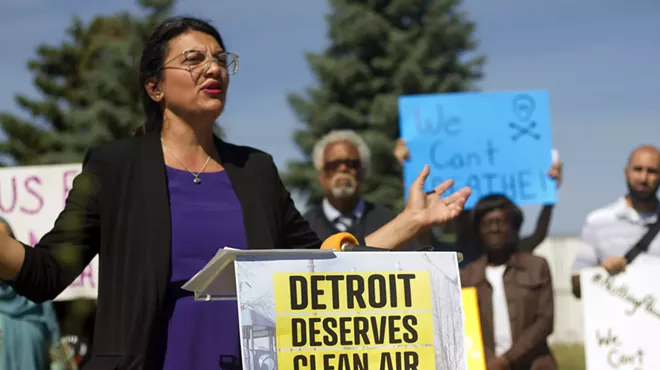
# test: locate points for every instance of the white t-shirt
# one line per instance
(612, 231)
(501, 323)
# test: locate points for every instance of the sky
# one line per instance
(599, 59)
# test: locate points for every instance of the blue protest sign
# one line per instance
(492, 142)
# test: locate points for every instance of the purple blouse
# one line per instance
(205, 217)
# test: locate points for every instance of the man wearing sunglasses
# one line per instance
(341, 159)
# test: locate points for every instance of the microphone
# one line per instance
(346, 242)
(337, 241)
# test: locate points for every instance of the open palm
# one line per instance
(430, 208)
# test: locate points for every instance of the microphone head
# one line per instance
(335, 241)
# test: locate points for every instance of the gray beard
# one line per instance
(343, 192)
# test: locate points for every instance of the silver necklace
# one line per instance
(196, 178)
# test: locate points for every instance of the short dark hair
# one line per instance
(153, 56)
(494, 202)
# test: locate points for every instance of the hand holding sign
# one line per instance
(556, 171)
(429, 208)
(401, 152)
(614, 264)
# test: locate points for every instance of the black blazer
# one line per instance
(373, 218)
(118, 208)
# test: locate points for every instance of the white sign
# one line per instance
(31, 198)
(358, 310)
(622, 316)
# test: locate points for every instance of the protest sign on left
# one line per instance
(31, 198)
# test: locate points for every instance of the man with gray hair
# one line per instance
(342, 159)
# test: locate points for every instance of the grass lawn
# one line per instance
(569, 356)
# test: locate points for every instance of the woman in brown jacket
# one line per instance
(514, 291)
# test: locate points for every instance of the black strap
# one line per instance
(643, 243)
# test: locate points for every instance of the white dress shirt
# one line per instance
(501, 323)
(341, 221)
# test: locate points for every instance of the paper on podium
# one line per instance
(217, 280)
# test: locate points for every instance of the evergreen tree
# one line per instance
(89, 93)
(379, 50)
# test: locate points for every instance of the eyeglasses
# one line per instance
(199, 61)
(334, 165)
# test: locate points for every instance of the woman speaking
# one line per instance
(156, 208)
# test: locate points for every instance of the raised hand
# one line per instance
(401, 151)
(556, 172)
(430, 209)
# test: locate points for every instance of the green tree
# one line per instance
(88, 89)
(88, 96)
(378, 51)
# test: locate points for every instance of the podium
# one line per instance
(325, 309)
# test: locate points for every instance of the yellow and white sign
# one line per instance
(361, 310)
(386, 316)
(474, 345)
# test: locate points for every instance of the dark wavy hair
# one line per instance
(153, 57)
(494, 202)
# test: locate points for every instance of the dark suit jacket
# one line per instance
(373, 218)
(119, 208)
(529, 294)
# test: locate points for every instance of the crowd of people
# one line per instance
(157, 205)
(514, 286)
